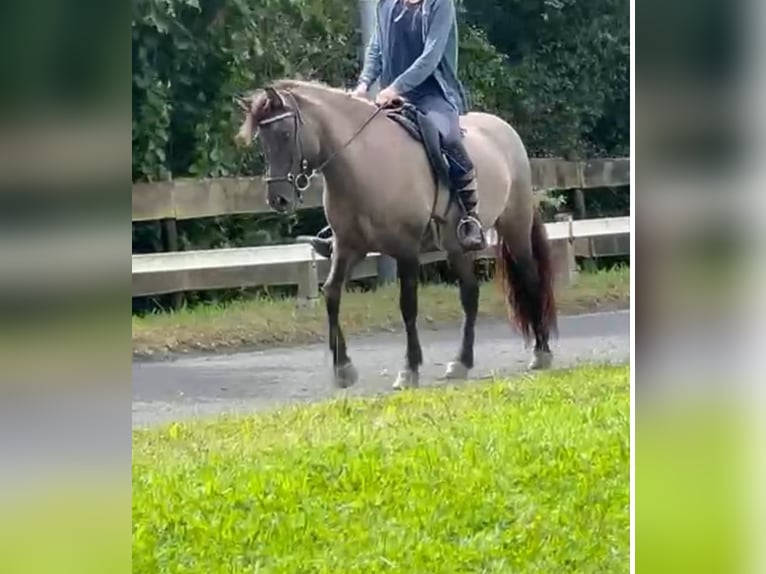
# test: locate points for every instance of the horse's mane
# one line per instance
(293, 84)
(260, 105)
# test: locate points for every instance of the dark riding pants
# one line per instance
(447, 120)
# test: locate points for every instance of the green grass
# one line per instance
(527, 475)
(693, 492)
(264, 322)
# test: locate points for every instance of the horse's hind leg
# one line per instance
(524, 262)
(408, 303)
(462, 264)
(345, 372)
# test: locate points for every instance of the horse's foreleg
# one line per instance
(469, 299)
(344, 371)
(408, 304)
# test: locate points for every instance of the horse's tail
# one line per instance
(528, 284)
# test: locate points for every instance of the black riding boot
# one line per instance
(322, 242)
(463, 175)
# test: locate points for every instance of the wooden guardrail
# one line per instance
(193, 198)
(297, 264)
(177, 271)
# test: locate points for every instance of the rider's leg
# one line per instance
(321, 242)
(462, 173)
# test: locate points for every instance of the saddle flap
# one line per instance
(423, 130)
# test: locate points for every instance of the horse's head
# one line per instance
(290, 148)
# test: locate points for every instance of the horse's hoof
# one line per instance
(406, 380)
(456, 371)
(541, 360)
(346, 375)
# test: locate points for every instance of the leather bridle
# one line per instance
(300, 178)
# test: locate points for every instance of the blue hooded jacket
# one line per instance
(439, 57)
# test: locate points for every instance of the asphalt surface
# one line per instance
(244, 382)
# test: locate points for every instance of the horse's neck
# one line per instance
(337, 119)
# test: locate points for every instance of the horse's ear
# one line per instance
(275, 99)
(244, 104)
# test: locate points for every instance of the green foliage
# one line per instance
(529, 475)
(190, 57)
(557, 69)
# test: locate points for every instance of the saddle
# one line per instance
(422, 130)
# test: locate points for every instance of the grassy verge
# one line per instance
(265, 322)
(528, 475)
(694, 510)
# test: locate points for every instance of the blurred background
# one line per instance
(699, 269)
(64, 281)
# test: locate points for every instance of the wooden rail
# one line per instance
(192, 198)
(297, 264)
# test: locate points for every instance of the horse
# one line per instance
(381, 193)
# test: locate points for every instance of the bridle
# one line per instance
(301, 180)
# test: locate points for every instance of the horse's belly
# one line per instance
(392, 213)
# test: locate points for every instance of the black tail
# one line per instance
(529, 288)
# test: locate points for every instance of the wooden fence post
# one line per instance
(589, 264)
(169, 233)
(308, 284)
(386, 270)
(562, 252)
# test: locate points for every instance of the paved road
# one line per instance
(245, 382)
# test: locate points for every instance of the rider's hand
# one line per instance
(387, 97)
(361, 90)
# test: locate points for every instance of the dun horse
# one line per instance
(381, 195)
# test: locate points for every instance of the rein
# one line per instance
(302, 180)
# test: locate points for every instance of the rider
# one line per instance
(413, 52)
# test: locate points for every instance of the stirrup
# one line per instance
(467, 220)
(470, 233)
